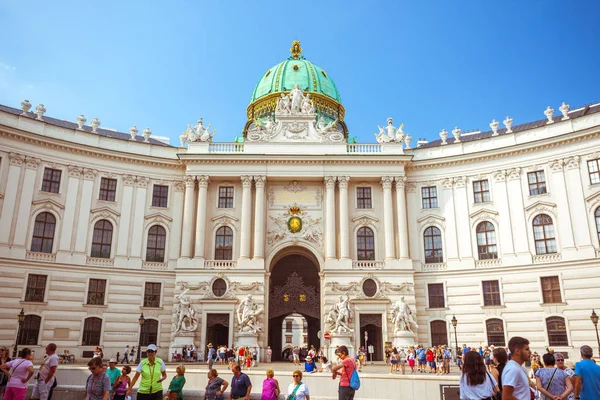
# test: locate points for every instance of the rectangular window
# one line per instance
(108, 189)
(288, 326)
(363, 197)
(152, 294)
(288, 338)
(51, 181)
(537, 183)
(96, 292)
(226, 197)
(429, 196)
(481, 191)
(551, 289)
(160, 196)
(594, 171)
(491, 293)
(436, 295)
(36, 288)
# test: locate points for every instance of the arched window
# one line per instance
(43, 233)
(543, 233)
(365, 244)
(92, 327)
(224, 243)
(439, 333)
(486, 241)
(155, 249)
(597, 215)
(102, 239)
(30, 331)
(557, 331)
(433, 245)
(495, 332)
(149, 332)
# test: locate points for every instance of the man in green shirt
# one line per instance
(113, 372)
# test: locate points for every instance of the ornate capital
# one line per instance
(142, 181)
(202, 181)
(190, 181)
(90, 174)
(75, 171)
(386, 182)
(460, 181)
(573, 162)
(246, 181)
(514, 173)
(557, 165)
(400, 182)
(32, 162)
(343, 181)
(259, 181)
(411, 187)
(500, 176)
(179, 186)
(128, 180)
(330, 182)
(16, 159)
(447, 183)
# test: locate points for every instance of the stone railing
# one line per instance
(154, 266)
(45, 257)
(226, 148)
(100, 262)
(546, 258)
(368, 264)
(496, 262)
(220, 264)
(363, 148)
(434, 267)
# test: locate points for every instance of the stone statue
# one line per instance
(382, 137)
(297, 97)
(186, 320)
(307, 106)
(339, 316)
(247, 315)
(324, 127)
(402, 317)
(284, 104)
(199, 133)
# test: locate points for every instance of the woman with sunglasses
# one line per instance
(153, 371)
(98, 383)
(551, 381)
(298, 390)
(561, 364)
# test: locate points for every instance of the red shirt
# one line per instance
(349, 367)
(429, 355)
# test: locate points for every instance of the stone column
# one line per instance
(137, 239)
(66, 232)
(188, 217)
(259, 217)
(246, 216)
(201, 215)
(344, 233)
(24, 213)
(10, 195)
(85, 205)
(330, 217)
(388, 222)
(401, 210)
(125, 220)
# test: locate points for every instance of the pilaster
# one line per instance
(188, 217)
(344, 232)
(10, 195)
(67, 226)
(24, 214)
(246, 216)
(402, 220)
(330, 217)
(199, 256)
(388, 221)
(259, 218)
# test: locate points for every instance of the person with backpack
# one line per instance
(348, 370)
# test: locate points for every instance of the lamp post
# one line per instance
(21, 318)
(141, 320)
(594, 318)
(454, 323)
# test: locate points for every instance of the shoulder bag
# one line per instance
(293, 395)
(549, 383)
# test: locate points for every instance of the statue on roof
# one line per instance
(307, 105)
(297, 96)
(284, 104)
(390, 133)
(197, 133)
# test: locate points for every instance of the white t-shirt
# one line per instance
(51, 361)
(301, 393)
(515, 376)
(486, 389)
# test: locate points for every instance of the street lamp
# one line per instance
(21, 318)
(454, 323)
(594, 318)
(141, 320)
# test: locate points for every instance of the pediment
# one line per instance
(365, 218)
(592, 197)
(224, 216)
(48, 203)
(105, 210)
(158, 216)
(484, 211)
(431, 217)
(540, 204)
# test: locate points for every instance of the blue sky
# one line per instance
(430, 65)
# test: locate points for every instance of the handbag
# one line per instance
(293, 395)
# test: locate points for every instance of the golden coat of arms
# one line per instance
(295, 222)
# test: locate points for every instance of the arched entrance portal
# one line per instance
(294, 289)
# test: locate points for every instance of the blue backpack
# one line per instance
(355, 380)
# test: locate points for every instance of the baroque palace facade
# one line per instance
(499, 229)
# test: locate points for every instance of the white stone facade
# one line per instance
(321, 179)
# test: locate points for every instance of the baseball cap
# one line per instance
(151, 347)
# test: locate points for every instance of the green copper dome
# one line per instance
(296, 70)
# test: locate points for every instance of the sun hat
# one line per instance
(151, 347)
(112, 360)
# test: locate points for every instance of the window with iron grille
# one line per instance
(96, 292)
(108, 189)
(439, 333)
(224, 243)
(51, 181)
(226, 197)
(436, 295)
(429, 197)
(92, 327)
(557, 331)
(36, 288)
(551, 290)
(155, 248)
(152, 294)
(43, 233)
(30, 331)
(363, 197)
(102, 239)
(491, 293)
(537, 183)
(160, 196)
(543, 234)
(433, 245)
(365, 244)
(594, 171)
(149, 332)
(495, 332)
(481, 191)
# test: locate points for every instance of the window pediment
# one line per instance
(105, 212)
(541, 207)
(432, 219)
(224, 219)
(158, 218)
(485, 214)
(47, 205)
(365, 219)
(593, 201)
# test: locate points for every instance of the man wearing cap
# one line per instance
(153, 372)
(587, 376)
(309, 365)
(211, 356)
(113, 372)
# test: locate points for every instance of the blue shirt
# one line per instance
(211, 353)
(240, 385)
(421, 354)
(465, 350)
(310, 366)
(590, 377)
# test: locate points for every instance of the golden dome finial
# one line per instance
(296, 50)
